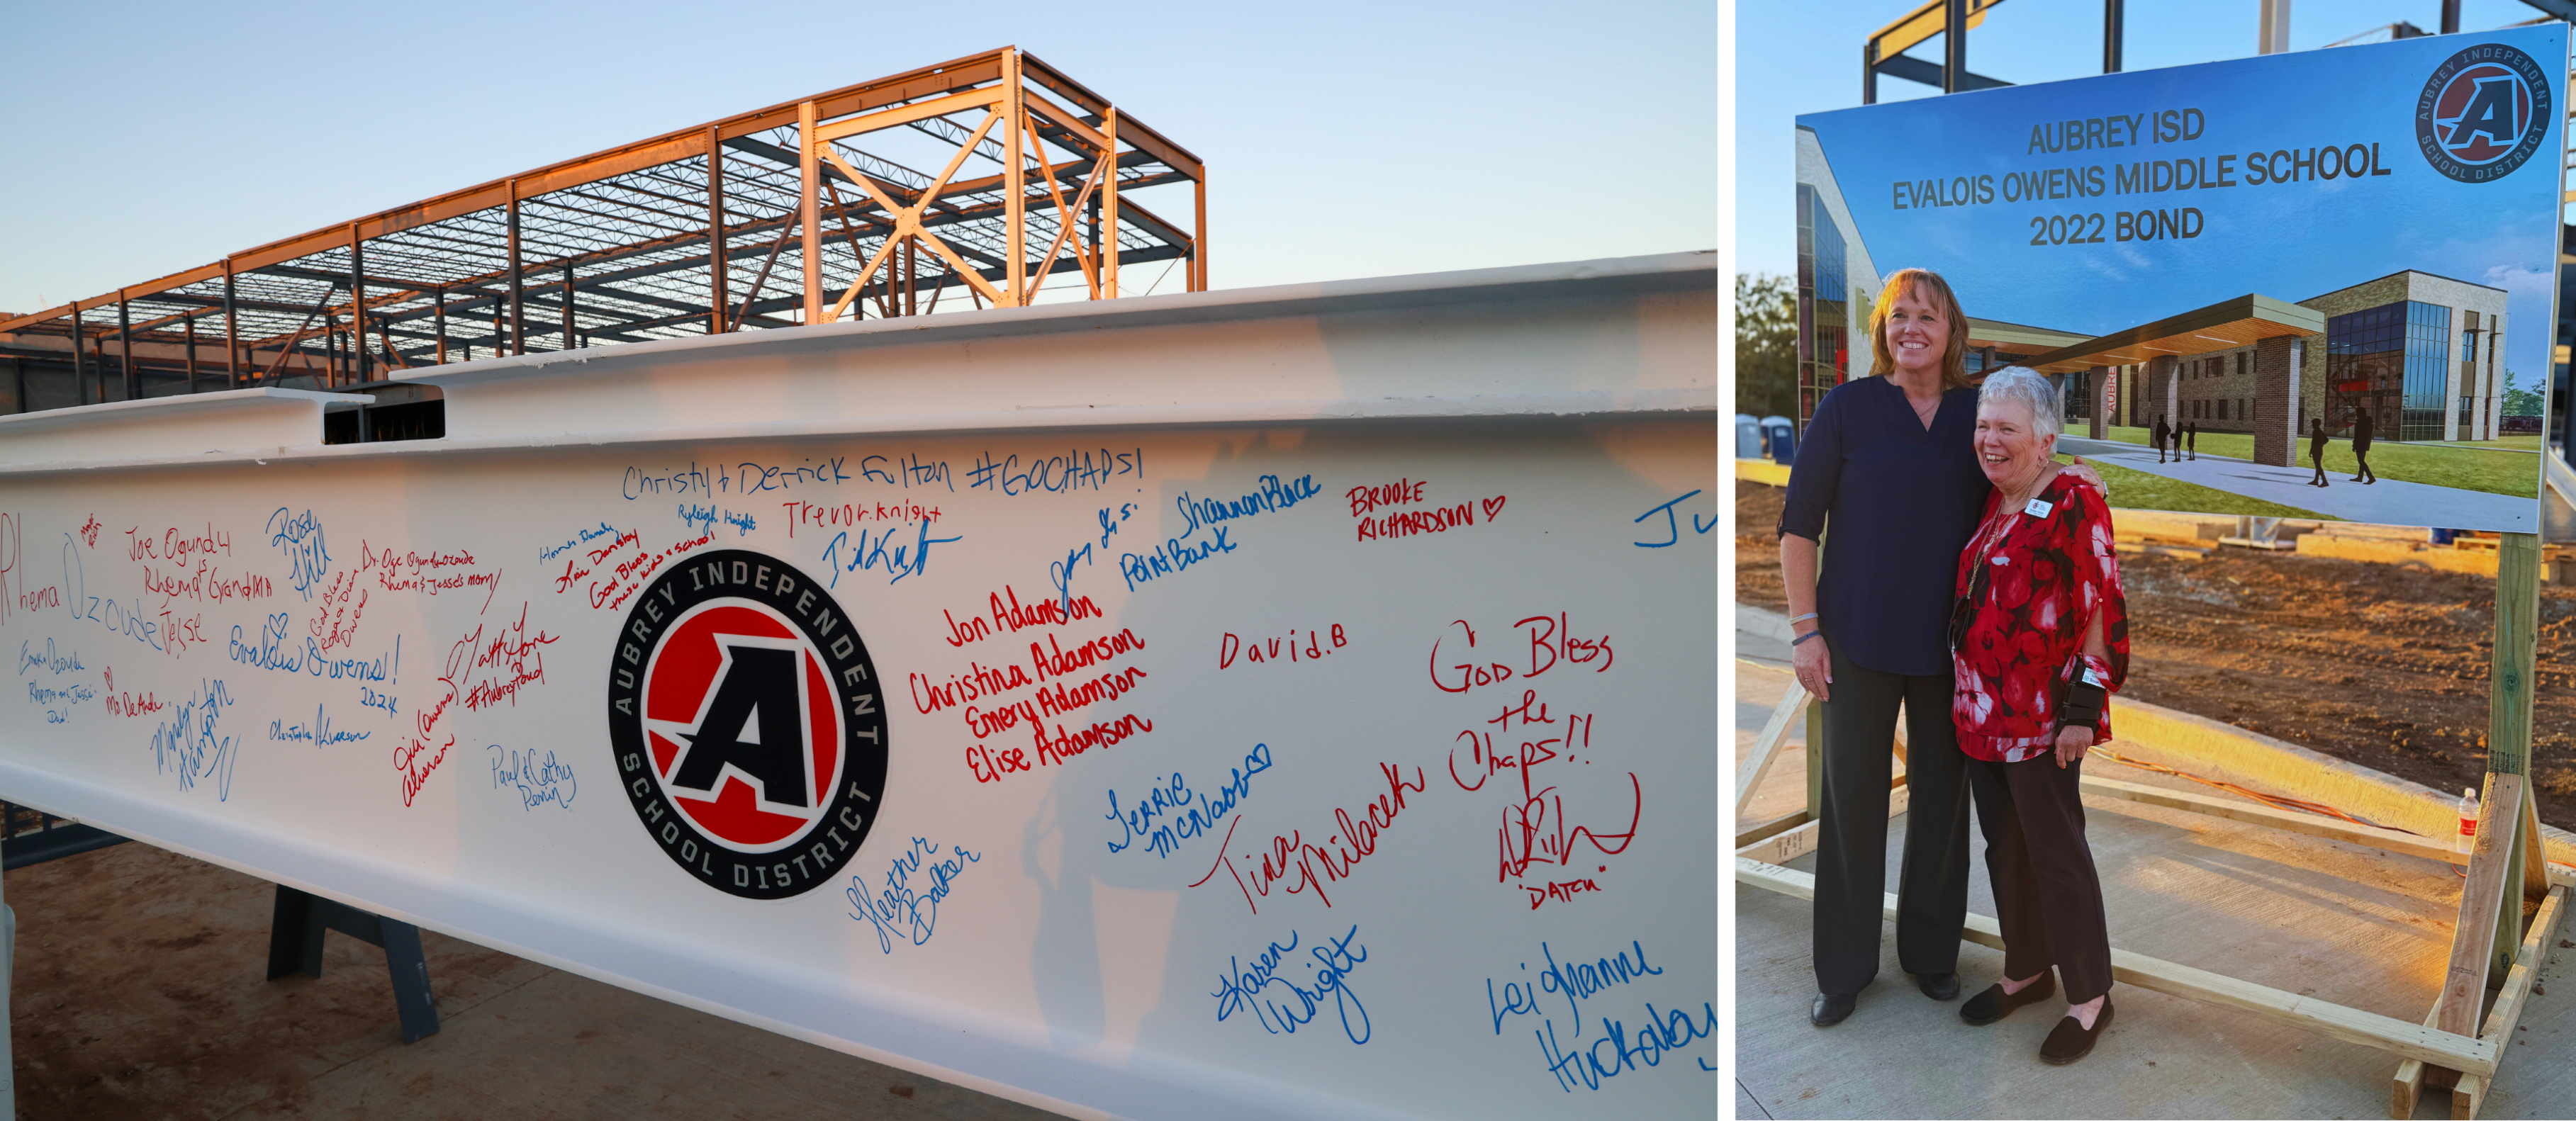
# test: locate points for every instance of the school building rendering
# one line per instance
(2421, 353)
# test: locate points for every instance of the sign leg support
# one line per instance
(295, 946)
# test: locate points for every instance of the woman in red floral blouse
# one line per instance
(2039, 637)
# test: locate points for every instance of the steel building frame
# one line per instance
(624, 245)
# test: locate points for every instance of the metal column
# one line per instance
(2114, 28)
(809, 207)
(518, 311)
(232, 333)
(1954, 46)
(360, 365)
(125, 345)
(716, 296)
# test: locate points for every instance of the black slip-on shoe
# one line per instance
(1832, 1008)
(1938, 986)
(2069, 1041)
(1995, 1004)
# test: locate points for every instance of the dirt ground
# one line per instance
(138, 994)
(2381, 665)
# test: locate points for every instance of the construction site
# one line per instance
(995, 179)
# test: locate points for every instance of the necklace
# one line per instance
(2014, 502)
(1924, 413)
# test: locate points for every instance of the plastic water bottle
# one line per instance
(2468, 818)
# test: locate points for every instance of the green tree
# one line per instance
(2519, 402)
(1766, 345)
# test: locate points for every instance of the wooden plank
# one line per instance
(1766, 747)
(1794, 843)
(2408, 1086)
(1772, 828)
(2386, 840)
(1816, 760)
(2334, 1021)
(2535, 864)
(2470, 1092)
(2464, 985)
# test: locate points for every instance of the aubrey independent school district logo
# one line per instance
(2483, 112)
(743, 710)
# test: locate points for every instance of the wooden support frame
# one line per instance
(1766, 747)
(2459, 1044)
(2335, 1021)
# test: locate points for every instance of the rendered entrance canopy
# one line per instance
(2234, 259)
(1267, 703)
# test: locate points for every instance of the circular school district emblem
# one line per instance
(743, 711)
(2483, 113)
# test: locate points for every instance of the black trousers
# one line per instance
(2361, 466)
(1851, 849)
(2048, 900)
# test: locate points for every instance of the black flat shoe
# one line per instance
(2069, 1041)
(1995, 1004)
(1832, 1008)
(1938, 986)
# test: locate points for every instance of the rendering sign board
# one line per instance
(2245, 276)
(1242, 704)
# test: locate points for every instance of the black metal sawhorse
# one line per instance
(295, 946)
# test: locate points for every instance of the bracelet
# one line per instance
(1806, 636)
(1796, 619)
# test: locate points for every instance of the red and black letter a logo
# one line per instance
(755, 722)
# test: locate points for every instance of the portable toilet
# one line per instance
(1748, 437)
(1784, 439)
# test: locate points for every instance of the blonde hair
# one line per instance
(1927, 286)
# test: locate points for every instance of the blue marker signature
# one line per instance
(1250, 987)
(1672, 527)
(1190, 814)
(189, 744)
(300, 538)
(900, 911)
(905, 560)
(319, 733)
(539, 782)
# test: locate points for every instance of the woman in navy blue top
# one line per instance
(1890, 458)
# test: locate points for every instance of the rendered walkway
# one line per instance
(2387, 502)
(2346, 924)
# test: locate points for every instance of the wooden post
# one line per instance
(716, 298)
(1014, 186)
(189, 323)
(567, 307)
(438, 319)
(1198, 238)
(809, 208)
(1109, 203)
(2509, 709)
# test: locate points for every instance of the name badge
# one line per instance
(2037, 508)
(2090, 678)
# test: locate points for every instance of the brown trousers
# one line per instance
(2048, 899)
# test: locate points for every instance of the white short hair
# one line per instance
(2026, 386)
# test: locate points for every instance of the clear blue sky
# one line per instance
(1802, 56)
(1343, 139)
